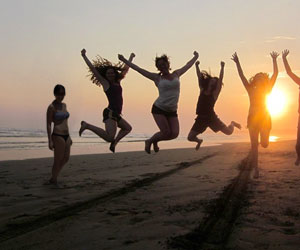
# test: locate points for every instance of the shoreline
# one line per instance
(188, 145)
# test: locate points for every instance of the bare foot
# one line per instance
(112, 146)
(199, 144)
(155, 147)
(82, 128)
(148, 146)
(256, 173)
(297, 162)
(237, 125)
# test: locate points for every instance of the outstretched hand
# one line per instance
(196, 54)
(132, 55)
(83, 51)
(222, 64)
(235, 57)
(274, 54)
(285, 53)
(197, 63)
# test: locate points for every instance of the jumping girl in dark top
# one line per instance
(296, 79)
(59, 139)
(210, 88)
(259, 120)
(109, 76)
(164, 109)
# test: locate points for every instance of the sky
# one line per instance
(41, 41)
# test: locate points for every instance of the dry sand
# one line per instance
(138, 201)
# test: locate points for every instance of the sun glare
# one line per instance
(276, 102)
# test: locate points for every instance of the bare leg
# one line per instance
(254, 150)
(66, 154)
(107, 135)
(125, 129)
(165, 131)
(173, 131)
(230, 128)
(193, 137)
(59, 152)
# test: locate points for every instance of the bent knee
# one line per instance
(191, 137)
(174, 135)
(110, 138)
(129, 129)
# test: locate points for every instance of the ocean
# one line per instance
(20, 144)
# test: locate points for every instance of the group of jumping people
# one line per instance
(164, 109)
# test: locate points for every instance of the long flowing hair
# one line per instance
(102, 65)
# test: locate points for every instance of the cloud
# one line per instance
(284, 38)
(279, 38)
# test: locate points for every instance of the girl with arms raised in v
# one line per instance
(109, 76)
(259, 120)
(210, 88)
(164, 109)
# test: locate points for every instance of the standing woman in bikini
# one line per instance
(259, 120)
(164, 109)
(59, 139)
(210, 88)
(296, 79)
(109, 76)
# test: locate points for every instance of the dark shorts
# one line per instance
(110, 114)
(158, 111)
(202, 122)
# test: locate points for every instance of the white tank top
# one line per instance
(168, 94)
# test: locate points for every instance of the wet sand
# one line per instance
(137, 201)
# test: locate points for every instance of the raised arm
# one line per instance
(199, 74)
(274, 56)
(220, 81)
(240, 71)
(189, 64)
(126, 67)
(295, 78)
(145, 73)
(99, 78)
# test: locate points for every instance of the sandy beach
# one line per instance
(175, 199)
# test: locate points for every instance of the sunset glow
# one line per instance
(276, 102)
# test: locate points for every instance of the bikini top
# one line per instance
(61, 115)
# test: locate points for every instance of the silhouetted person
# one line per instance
(296, 79)
(164, 109)
(59, 139)
(109, 76)
(259, 120)
(210, 88)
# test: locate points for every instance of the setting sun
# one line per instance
(276, 102)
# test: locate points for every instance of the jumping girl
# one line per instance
(210, 88)
(259, 120)
(109, 76)
(164, 109)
